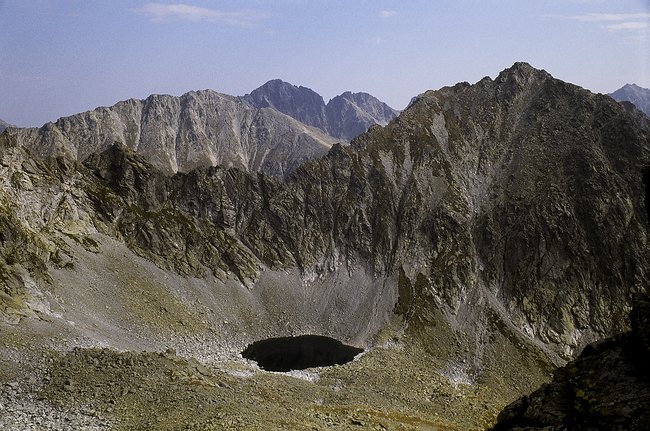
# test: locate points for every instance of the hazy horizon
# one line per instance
(59, 59)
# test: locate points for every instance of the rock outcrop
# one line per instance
(197, 129)
(632, 93)
(345, 116)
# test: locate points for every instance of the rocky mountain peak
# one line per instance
(344, 117)
(488, 230)
(634, 94)
(521, 74)
(301, 103)
(351, 114)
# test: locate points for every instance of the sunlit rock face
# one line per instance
(197, 129)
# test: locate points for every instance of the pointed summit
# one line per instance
(520, 73)
(351, 114)
(639, 96)
(301, 103)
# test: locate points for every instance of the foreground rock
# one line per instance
(606, 388)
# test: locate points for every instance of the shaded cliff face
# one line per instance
(632, 93)
(345, 116)
(202, 128)
(606, 387)
(301, 103)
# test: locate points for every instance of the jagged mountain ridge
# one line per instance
(491, 193)
(632, 93)
(199, 128)
(508, 213)
(345, 116)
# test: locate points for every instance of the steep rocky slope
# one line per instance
(89, 234)
(345, 116)
(200, 128)
(488, 230)
(606, 388)
(639, 96)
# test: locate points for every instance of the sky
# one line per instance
(61, 57)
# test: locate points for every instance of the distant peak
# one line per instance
(277, 82)
(278, 86)
(631, 88)
(634, 87)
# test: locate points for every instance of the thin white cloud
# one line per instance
(159, 12)
(631, 25)
(610, 17)
(387, 13)
(636, 26)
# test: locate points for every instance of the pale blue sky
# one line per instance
(60, 57)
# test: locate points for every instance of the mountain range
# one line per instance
(344, 117)
(632, 93)
(480, 239)
(206, 128)
(197, 129)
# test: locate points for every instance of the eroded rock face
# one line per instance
(197, 129)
